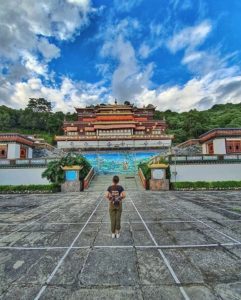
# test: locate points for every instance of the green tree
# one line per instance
(55, 122)
(39, 105)
(5, 120)
(55, 173)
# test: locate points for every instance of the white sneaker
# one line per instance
(113, 235)
(117, 235)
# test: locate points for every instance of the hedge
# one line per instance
(47, 188)
(206, 185)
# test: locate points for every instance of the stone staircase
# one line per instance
(129, 182)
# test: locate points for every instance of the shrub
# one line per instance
(206, 185)
(54, 172)
(29, 188)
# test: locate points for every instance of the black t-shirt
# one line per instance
(115, 191)
(114, 188)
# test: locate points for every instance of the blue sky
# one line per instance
(175, 54)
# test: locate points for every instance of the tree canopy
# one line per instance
(39, 105)
(192, 124)
(36, 118)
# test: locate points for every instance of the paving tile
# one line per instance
(113, 267)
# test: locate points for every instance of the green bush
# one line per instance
(30, 188)
(206, 185)
(55, 174)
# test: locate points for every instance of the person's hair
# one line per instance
(115, 179)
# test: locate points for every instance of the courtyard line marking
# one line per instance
(40, 248)
(186, 297)
(123, 222)
(197, 246)
(106, 222)
(190, 246)
(30, 223)
(209, 226)
(66, 253)
(231, 212)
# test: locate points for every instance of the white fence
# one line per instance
(206, 172)
(22, 176)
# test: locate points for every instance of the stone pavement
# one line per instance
(174, 245)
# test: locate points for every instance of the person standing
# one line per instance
(115, 194)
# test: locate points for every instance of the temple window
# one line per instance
(3, 153)
(233, 146)
(72, 133)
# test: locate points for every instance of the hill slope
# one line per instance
(191, 124)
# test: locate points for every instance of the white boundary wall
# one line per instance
(206, 172)
(185, 172)
(19, 176)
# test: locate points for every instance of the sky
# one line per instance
(174, 54)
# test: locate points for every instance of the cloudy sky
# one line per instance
(175, 54)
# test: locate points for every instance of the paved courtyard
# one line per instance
(174, 245)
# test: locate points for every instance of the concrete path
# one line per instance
(174, 245)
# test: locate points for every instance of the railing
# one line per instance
(89, 177)
(204, 158)
(25, 162)
(199, 158)
(142, 177)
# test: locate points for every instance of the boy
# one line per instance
(115, 194)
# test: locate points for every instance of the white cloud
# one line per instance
(156, 29)
(129, 78)
(33, 65)
(84, 4)
(22, 24)
(144, 50)
(196, 93)
(49, 51)
(65, 97)
(113, 28)
(189, 37)
(25, 51)
(209, 62)
(127, 5)
(103, 69)
(199, 93)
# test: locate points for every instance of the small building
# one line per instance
(221, 141)
(15, 146)
(115, 126)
